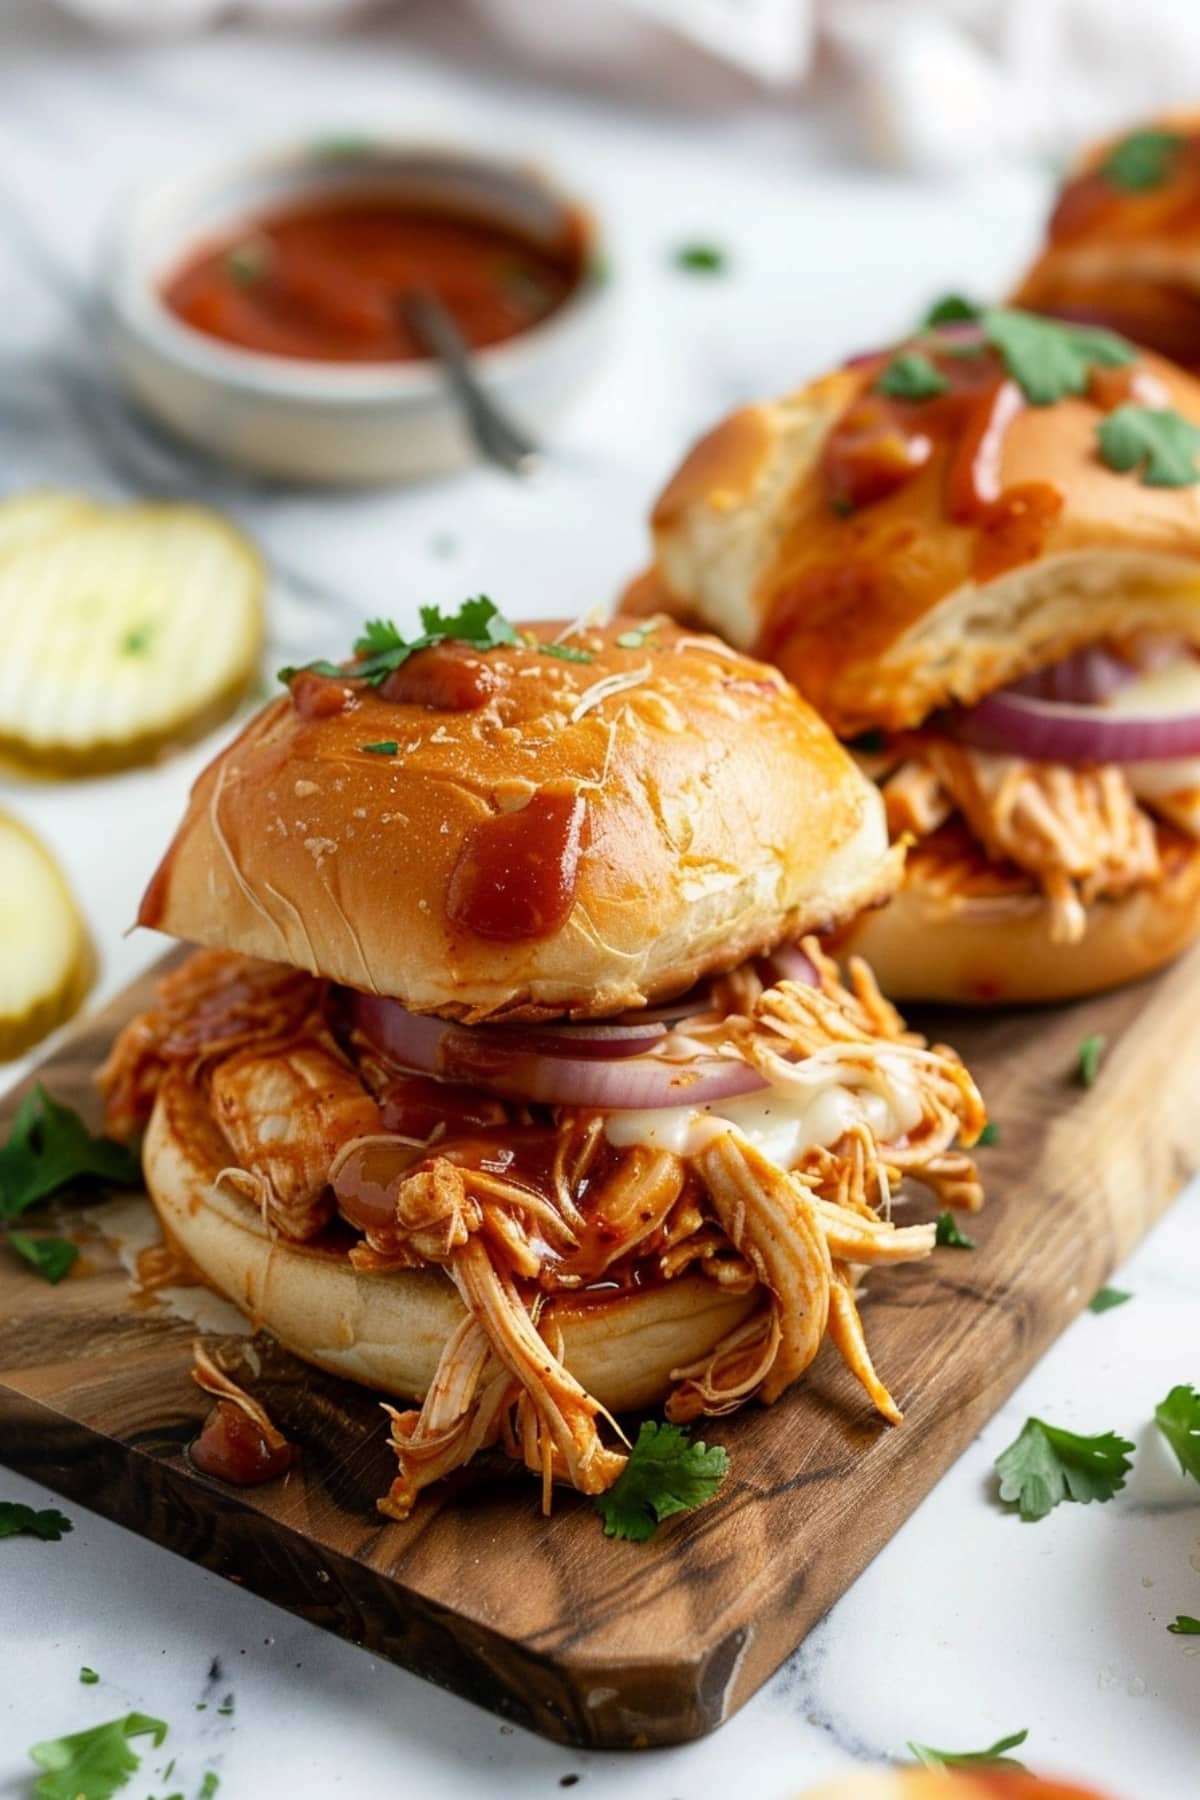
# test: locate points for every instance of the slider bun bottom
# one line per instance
(386, 1329)
(923, 948)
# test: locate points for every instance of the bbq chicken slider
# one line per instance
(1123, 243)
(978, 556)
(503, 1082)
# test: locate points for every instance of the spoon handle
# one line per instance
(495, 434)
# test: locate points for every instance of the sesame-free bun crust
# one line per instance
(945, 1784)
(721, 817)
(994, 946)
(386, 1330)
(881, 617)
(1128, 258)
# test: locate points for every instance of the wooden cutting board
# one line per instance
(586, 1640)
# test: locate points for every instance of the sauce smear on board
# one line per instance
(325, 280)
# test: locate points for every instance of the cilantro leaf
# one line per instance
(566, 652)
(1107, 1298)
(1048, 359)
(992, 1758)
(321, 667)
(911, 376)
(635, 637)
(1046, 1465)
(1158, 441)
(951, 309)
(1185, 1626)
(1091, 1055)
(19, 1520)
(92, 1765)
(382, 648)
(1178, 1418)
(701, 259)
(385, 747)
(990, 1134)
(209, 1785)
(950, 1233)
(52, 1257)
(48, 1146)
(1144, 159)
(666, 1473)
(88, 1677)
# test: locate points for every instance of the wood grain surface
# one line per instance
(544, 1620)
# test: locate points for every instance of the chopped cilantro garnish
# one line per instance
(990, 1134)
(950, 1233)
(992, 1758)
(666, 1473)
(1183, 1625)
(951, 309)
(209, 1785)
(248, 262)
(1178, 1418)
(1108, 1297)
(1144, 159)
(635, 637)
(48, 1146)
(566, 653)
(92, 1765)
(1158, 441)
(1046, 1465)
(382, 647)
(868, 743)
(911, 376)
(1047, 358)
(19, 1520)
(88, 1677)
(52, 1257)
(701, 259)
(1089, 1058)
(320, 667)
(385, 747)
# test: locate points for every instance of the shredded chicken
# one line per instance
(286, 1115)
(1080, 833)
(523, 1205)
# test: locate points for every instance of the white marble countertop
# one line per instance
(970, 1624)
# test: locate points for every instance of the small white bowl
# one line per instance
(336, 424)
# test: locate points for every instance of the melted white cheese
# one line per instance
(812, 1108)
(1171, 690)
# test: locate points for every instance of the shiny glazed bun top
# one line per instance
(564, 821)
(948, 1784)
(931, 523)
(1123, 241)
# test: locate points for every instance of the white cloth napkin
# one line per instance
(931, 84)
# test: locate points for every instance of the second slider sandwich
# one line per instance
(501, 1084)
(978, 555)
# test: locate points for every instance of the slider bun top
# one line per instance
(1129, 256)
(595, 834)
(895, 609)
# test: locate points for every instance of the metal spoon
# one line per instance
(495, 434)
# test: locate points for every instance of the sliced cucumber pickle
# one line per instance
(45, 955)
(123, 631)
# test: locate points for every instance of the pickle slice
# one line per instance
(122, 633)
(39, 514)
(45, 955)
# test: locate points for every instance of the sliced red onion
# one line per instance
(1045, 731)
(1085, 678)
(788, 962)
(491, 1057)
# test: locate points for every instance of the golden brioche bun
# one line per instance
(386, 1330)
(721, 817)
(993, 946)
(1128, 257)
(878, 617)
